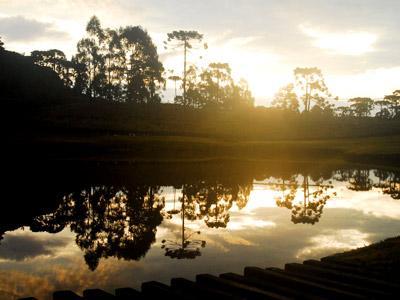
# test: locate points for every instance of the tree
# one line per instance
(394, 103)
(311, 82)
(90, 54)
(185, 39)
(108, 221)
(144, 70)
(216, 84)
(1, 45)
(344, 111)
(384, 112)
(362, 106)
(286, 99)
(56, 60)
(175, 79)
(241, 96)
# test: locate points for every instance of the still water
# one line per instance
(120, 234)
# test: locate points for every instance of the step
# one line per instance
(237, 288)
(128, 294)
(299, 284)
(269, 286)
(340, 276)
(200, 291)
(351, 288)
(347, 269)
(157, 289)
(66, 295)
(97, 294)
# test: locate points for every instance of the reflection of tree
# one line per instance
(358, 179)
(389, 182)
(185, 248)
(108, 221)
(309, 209)
(287, 198)
(212, 202)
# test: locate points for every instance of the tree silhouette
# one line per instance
(185, 39)
(384, 112)
(215, 85)
(344, 111)
(108, 221)
(56, 60)
(286, 99)
(362, 106)
(90, 53)
(311, 82)
(175, 79)
(144, 70)
(1, 45)
(394, 103)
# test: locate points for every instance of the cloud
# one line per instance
(19, 28)
(28, 246)
(347, 43)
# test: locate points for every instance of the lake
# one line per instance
(78, 226)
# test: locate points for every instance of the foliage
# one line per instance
(185, 39)
(393, 103)
(362, 106)
(286, 99)
(311, 83)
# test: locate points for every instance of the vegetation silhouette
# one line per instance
(186, 248)
(389, 183)
(315, 194)
(358, 179)
(108, 221)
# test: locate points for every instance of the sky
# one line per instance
(354, 42)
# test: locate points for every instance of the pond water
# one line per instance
(135, 229)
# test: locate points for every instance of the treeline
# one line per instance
(310, 90)
(123, 65)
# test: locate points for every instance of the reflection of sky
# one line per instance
(259, 234)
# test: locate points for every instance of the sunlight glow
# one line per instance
(347, 43)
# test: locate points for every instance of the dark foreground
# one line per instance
(367, 273)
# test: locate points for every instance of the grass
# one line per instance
(380, 150)
(380, 257)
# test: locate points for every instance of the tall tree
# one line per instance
(1, 45)
(90, 54)
(216, 84)
(144, 71)
(362, 106)
(185, 39)
(286, 99)
(312, 84)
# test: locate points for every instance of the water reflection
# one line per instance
(389, 183)
(193, 219)
(108, 221)
(187, 247)
(305, 197)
